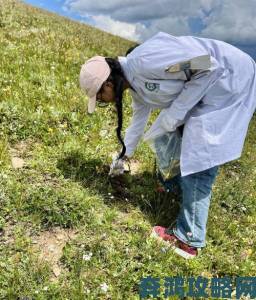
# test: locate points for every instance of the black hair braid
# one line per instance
(131, 49)
(117, 78)
(119, 107)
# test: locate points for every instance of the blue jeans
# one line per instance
(196, 195)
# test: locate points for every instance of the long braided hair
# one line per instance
(117, 78)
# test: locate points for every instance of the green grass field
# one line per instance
(65, 231)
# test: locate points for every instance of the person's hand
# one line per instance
(162, 124)
(117, 166)
(169, 124)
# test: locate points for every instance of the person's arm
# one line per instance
(135, 131)
(193, 91)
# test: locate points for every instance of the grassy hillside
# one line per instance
(65, 231)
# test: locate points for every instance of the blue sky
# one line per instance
(57, 6)
(233, 21)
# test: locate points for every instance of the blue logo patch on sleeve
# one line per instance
(152, 87)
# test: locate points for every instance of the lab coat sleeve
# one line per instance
(135, 131)
(193, 91)
(153, 57)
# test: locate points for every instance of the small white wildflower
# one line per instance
(87, 257)
(36, 292)
(164, 249)
(87, 291)
(104, 287)
(45, 288)
(109, 194)
(112, 197)
(103, 132)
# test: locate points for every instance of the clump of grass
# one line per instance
(4, 155)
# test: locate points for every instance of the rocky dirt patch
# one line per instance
(50, 244)
(17, 153)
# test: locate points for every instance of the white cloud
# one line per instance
(230, 20)
(234, 21)
(174, 26)
(122, 29)
(134, 10)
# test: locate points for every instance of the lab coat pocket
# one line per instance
(214, 138)
(194, 142)
(226, 127)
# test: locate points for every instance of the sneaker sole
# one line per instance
(184, 254)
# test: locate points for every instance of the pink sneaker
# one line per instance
(179, 247)
(159, 232)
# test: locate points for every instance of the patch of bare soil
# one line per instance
(133, 166)
(7, 234)
(17, 153)
(50, 244)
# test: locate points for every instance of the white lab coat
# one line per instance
(216, 105)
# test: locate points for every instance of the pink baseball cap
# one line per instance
(93, 74)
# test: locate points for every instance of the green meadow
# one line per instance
(66, 230)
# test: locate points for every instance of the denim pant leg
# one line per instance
(193, 215)
(173, 184)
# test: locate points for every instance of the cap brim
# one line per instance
(91, 104)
